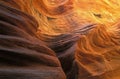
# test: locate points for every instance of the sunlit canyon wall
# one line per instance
(59, 39)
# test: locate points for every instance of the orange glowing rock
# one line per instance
(59, 39)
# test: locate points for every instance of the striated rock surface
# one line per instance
(40, 40)
(22, 54)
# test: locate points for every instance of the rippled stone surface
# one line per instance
(22, 54)
(41, 42)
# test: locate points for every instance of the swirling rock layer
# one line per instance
(32, 46)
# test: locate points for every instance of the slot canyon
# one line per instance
(59, 39)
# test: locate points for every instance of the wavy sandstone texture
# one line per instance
(49, 39)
